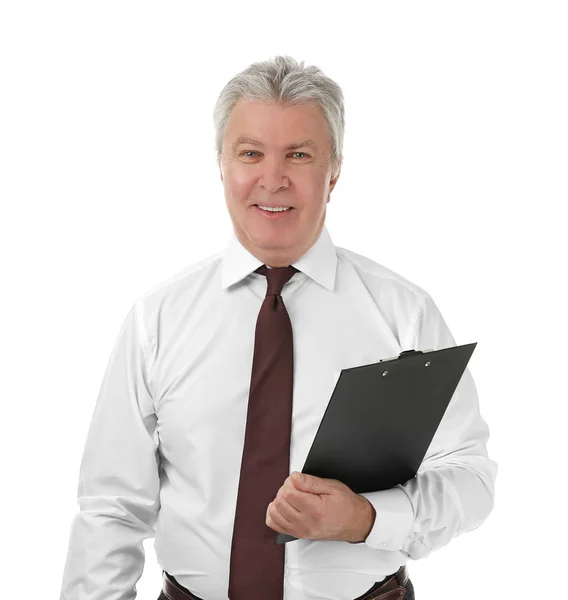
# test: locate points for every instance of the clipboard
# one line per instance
(382, 417)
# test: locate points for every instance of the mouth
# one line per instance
(273, 215)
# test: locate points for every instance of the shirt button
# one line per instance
(383, 545)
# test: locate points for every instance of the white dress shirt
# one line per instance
(163, 453)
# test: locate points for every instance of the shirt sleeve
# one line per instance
(118, 491)
(453, 491)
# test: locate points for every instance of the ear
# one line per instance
(333, 181)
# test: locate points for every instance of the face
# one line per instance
(277, 156)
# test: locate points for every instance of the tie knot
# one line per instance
(276, 278)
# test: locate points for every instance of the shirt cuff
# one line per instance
(393, 521)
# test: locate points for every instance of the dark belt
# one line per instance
(174, 591)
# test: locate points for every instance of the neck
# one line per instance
(278, 257)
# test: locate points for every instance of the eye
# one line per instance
(253, 154)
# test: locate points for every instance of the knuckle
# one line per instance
(319, 514)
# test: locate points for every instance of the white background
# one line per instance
(455, 176)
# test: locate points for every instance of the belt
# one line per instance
(174, 591)
(393, 583)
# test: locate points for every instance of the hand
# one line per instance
(316, 508)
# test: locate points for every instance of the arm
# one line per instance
(118, 492)
(453, 491)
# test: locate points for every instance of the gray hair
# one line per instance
(285, 81)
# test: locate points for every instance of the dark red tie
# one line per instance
(257, 562)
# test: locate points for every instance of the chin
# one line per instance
(269, 240)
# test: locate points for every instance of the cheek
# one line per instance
(239, 183)
(312, 190)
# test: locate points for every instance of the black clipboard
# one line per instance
(382, 417)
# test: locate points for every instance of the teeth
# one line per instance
(277, 209)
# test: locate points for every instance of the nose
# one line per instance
(273, 175)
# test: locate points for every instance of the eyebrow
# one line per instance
(293, 146)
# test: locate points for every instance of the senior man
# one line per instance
(220, 377)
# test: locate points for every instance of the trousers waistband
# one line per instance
(174, 591)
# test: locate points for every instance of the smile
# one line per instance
(274, 214)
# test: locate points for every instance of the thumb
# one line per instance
(309, 483)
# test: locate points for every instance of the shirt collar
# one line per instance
(319, 262)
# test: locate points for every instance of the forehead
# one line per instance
(272, 123)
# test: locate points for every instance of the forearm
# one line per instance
(432, 508)
(450, 499)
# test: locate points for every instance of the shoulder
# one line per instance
(181, 286)
(378, 274)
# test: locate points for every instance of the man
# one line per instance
(220, 377)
